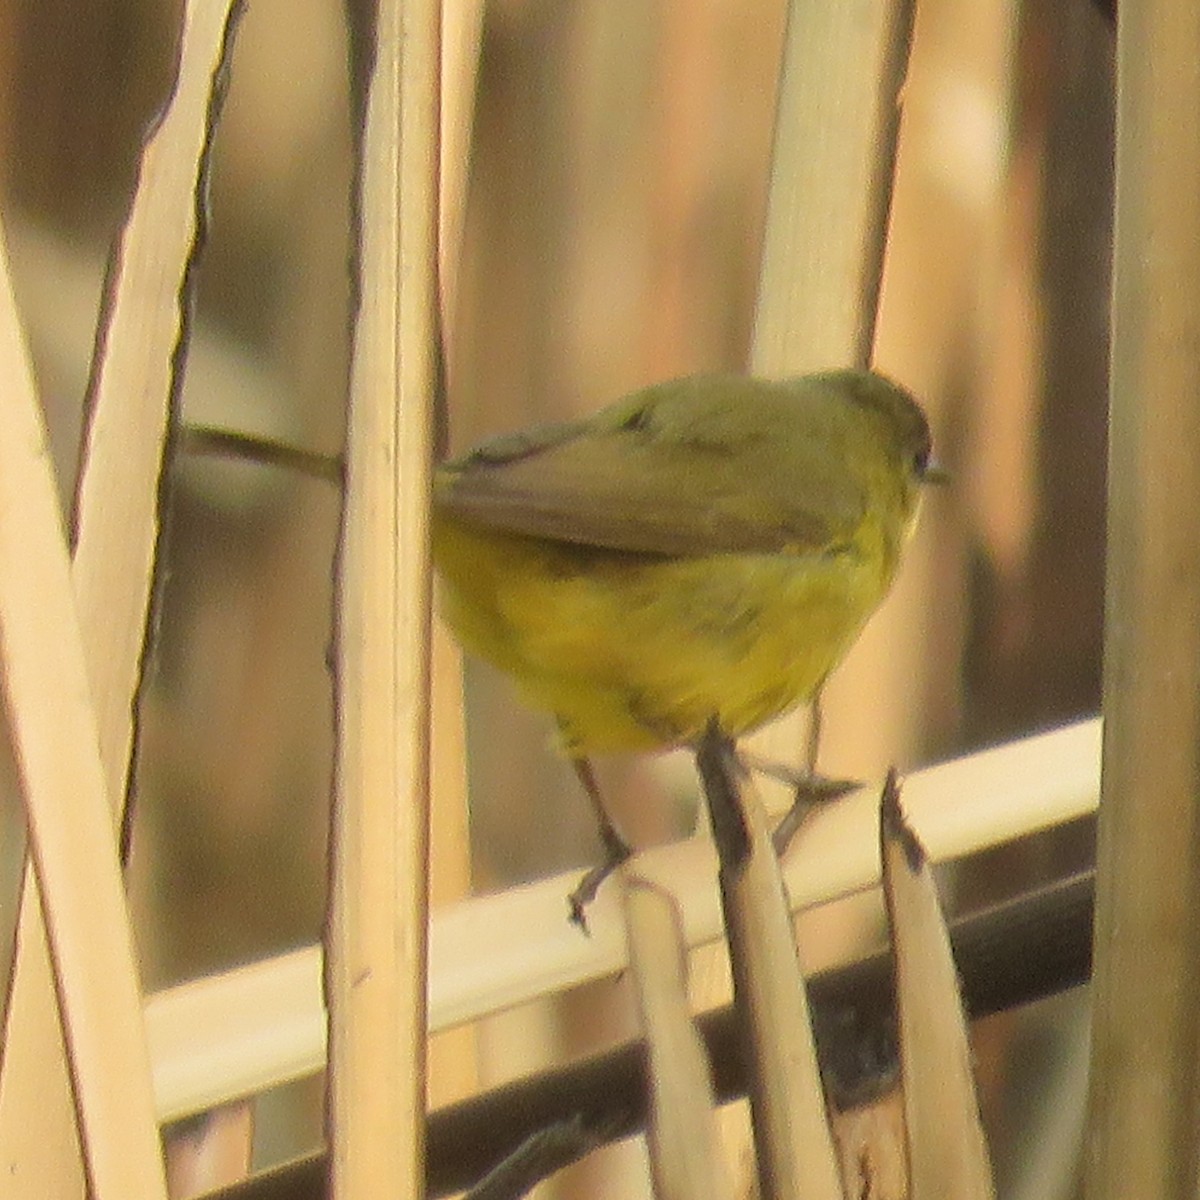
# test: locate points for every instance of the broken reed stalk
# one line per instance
(375, 977)
(792, 1139)
(681, 1135)
(947, 1152)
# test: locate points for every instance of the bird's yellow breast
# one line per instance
(634, 652)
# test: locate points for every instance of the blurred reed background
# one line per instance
(611, 237)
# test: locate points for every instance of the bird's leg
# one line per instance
(813, 748)
(809, 788)
(616, 849)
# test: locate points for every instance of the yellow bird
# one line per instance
(708, 547)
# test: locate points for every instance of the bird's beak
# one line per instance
(935, 473)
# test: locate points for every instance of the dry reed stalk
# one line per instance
(134, 377)
(947, 1153)
(831, 184)
(71, 838)
(828, 201)
(792, 1139)
(1144, 1085)
(461, 36)
(453, 1068)
(453, 1056)
(497, 951)
(236, 1034)
(685, 1154)
(830, 193)
(376, 964)
(246, 1030)
(216, 1154)
(871, 1145)
(1016, 952)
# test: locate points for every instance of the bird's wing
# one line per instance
(626, 480)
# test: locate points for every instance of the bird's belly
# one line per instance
(635, 653)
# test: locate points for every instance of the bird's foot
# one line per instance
(810, 791)
(616, 851)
